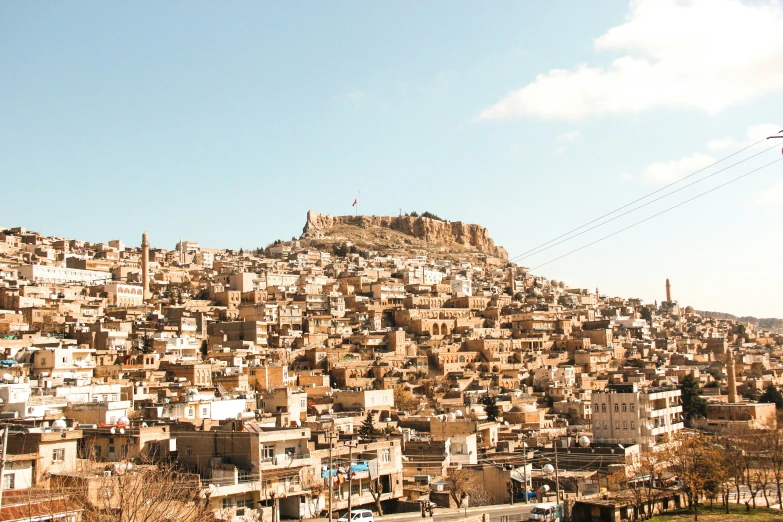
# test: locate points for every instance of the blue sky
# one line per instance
(225, 122)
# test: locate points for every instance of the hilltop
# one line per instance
(412, 235)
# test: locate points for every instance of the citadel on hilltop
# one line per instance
(374, 362)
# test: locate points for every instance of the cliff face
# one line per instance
(425, 229)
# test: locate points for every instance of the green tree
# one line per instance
(491, 407)
(367, 429)
(693, 406)
(772, 395)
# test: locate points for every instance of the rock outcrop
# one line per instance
(426, 229)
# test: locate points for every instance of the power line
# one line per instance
(640, 206)
(658, 214)
(638, 200)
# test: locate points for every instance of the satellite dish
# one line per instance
(584, 441)
(113, 431)
(8, 377)
(122, 431)
(458, 413)
(130, 466)
(298, 422)
(548, 469)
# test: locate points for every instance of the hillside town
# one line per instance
(310, 378)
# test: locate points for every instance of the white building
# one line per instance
(61, 275)
(622, 414)
(124, 295)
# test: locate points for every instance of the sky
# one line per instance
(224, 122)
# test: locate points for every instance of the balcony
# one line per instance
(284, 461)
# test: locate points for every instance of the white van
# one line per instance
(359, 515)
(549, 512)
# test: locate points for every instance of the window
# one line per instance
(354, 489)
(303, 403)
(616, 407)
(228, 503)
(365, 486)
(625, 425)
(9, 481)
(605, 426)
(617, 425)
(625, 408)
(386, 455)
(633, 425)
(58, 455)
(596, 407)
(267, 452)
(632, 407)
(107, 492)
(188, 450)
(245, 503)
(603, 407)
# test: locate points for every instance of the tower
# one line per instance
(145, 265)
(731, 377)
(668, 291)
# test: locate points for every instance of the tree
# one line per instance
(772, 395)
(376, 490)
(461, 483)
(518, 297)
(697, 463)
(693, 406)
(404, 400)
(143, 492)
(367, 429)
(645, 474)
(146, 343)
(491, 407)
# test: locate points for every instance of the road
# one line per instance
(514, 513)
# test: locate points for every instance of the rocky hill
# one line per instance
(403, 232)
(770, 323)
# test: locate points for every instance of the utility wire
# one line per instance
(639, 199)
(658, 214)
(524, 256)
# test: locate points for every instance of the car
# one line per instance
(358, 515)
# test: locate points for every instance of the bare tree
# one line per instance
(461, 483)
(141, 493)
(644, 481)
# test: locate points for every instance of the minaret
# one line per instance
(145, 265)
(668, 291)
(731, 378)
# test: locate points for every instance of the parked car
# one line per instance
(358, 515)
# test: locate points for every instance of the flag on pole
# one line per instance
(354, 203)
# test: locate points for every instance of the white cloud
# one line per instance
(773, 194)
(752, 135)
(668, 171)
(701, 54)
(563, 139)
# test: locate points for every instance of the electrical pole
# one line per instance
(557, 476)
(331, 476)
(2, 463)
(524, 472)
(350, 477)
